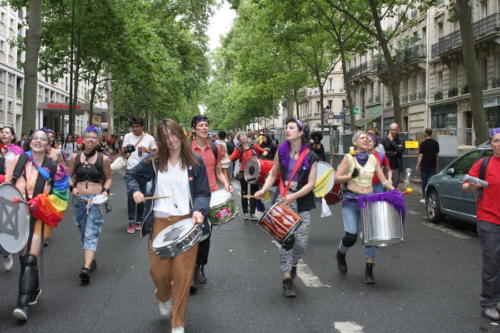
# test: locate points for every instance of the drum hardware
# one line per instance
(19, 200)
(257, 170)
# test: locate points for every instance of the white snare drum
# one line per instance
(14, 220)
(222, 207)
(176, 239)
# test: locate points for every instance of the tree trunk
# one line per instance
(394, 80)
(321, 109)
(471, 66)
(33, 41)
(94, 88)
(74, 102)
(109, 101)
(289, 104)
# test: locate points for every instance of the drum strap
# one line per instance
(283, 189)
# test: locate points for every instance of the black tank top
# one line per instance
(93, 173)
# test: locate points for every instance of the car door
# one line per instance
(451, 183)
(469, 199)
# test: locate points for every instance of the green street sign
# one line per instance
(355, 110)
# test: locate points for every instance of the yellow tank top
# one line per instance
(366, 172)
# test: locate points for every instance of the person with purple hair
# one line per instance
(357, 171)
(299, 196)
(488, 225)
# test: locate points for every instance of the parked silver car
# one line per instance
(444, 195)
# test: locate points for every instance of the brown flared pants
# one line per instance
(172, 277)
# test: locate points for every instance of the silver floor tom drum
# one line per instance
(176, 238)
(382, 224)
(14, 220)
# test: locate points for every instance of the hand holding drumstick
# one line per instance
(140, 198)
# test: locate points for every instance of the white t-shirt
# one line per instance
(173, 183)
(130, 139)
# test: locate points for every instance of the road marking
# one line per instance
(446, 230)
(348, 327)
(413, 212)
(306, 274)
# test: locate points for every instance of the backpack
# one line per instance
(2, 165)
(482, 172)
(215, 151)
(382, 158)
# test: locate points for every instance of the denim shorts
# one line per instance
(90, 225)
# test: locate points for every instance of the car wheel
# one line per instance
(433, 207)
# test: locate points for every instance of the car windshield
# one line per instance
(463, 165)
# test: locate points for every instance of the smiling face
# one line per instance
(201, 130)
(293, 132)
(173, 142)
(7, 136)
(371, 144)
(39, 142)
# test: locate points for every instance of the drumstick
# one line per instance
(249, 196)
(19, 200)
(160, 197)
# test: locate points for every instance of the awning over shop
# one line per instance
(364, 121)
(61, 108)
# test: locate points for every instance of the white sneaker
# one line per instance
(165, 308)
(179, 329)
(422, 200)
(8, 262)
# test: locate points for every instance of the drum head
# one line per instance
(323, 168)
(219, 197)
(14, 220)
(252, 171)
(173, 233)
(99, 199)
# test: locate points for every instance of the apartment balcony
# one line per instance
(495, 83)
(438, 96)
(465, 90)
(404, 99)
(403, 57)
(421, 95)
(452, 92)
(377, 99)
(413, 97)
(480, 29)
(485, 85)
(364, 68)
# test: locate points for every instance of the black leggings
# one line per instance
(244, 191)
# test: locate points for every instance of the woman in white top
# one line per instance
(180, 175)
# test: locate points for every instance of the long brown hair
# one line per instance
(187, 158)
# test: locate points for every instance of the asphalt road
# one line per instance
(431, 283)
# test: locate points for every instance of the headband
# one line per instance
(198, 120)
(46, 130)
(494, 131)
(373, 137)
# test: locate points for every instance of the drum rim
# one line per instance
(26, 235)
(228, 197)
(330, 188)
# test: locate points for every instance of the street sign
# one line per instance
(355, 110)
(338, 116)
(411, 144)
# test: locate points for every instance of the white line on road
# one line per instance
(446, 230)
(413, 212)
(306, 275)
(348, 327)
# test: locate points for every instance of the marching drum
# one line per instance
(323, 168)
(335, 195)
(14, 220)
(256, 171)
(176, 238)
(334, 191)
(222, 207)
(280, 222)
(382, 224)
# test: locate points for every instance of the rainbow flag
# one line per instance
(50, 207)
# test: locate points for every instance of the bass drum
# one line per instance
(14, 220)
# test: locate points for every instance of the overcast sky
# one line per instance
(220, 24)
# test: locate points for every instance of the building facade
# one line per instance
(433, 88)
(52, 96)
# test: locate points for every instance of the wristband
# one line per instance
(105, 190)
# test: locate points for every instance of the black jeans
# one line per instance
(203, 250)
(425, 174)
(489, 236)
(244, 191)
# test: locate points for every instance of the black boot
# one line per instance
(200, 272)
(193, 289)
(293, 272)
(341, 263)
(28, 287)
(288, 289)
(369, 279)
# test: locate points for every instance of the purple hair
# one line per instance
(284, 153)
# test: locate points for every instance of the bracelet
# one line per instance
(105, 190)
